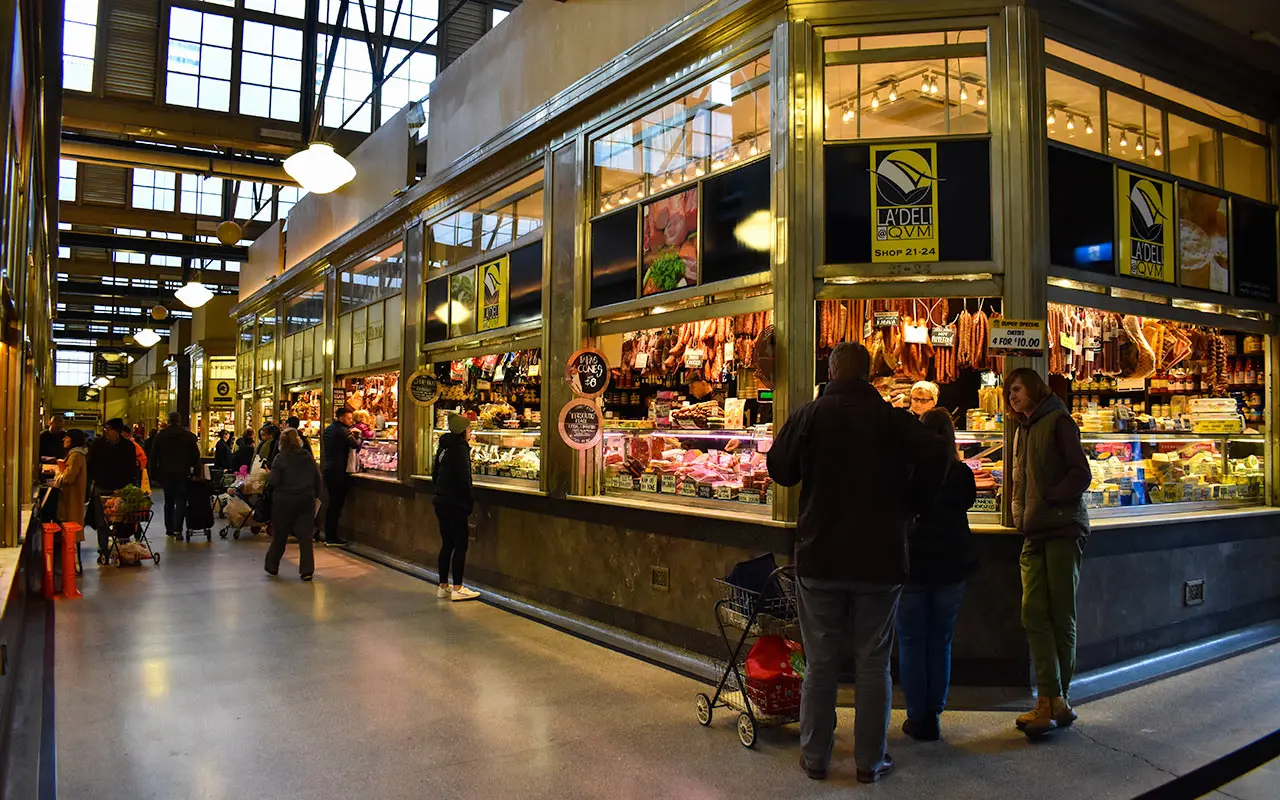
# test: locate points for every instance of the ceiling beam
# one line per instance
(99, 269)
(114, 319)
(158, 247)
(133, 350)
(66, 289)
(142, 219)
(119, 155)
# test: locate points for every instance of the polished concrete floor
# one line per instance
(203, 678)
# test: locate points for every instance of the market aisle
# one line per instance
(203, 678)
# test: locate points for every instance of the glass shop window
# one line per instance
(1193, 151)
(496, 221)
(1075, 108)
(941, 90)
(376, 277)
(1135, 131)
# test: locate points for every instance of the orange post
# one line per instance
(50, 530)
(70, 535)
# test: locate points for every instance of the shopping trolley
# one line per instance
(124, 525)
(750, 614)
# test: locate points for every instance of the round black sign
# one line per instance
(581, 424)
(588, 372)
(224, 389)
(424, 389)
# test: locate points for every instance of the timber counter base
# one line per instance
(652, 573)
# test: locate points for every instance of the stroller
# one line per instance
(200, 500)
(239, 519)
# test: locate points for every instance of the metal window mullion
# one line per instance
(1105, 121)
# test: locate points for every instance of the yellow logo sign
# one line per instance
(1146, 229)
(494, 289)
(904, 203)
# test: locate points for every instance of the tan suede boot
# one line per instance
(1062, 712)
(1042, 711)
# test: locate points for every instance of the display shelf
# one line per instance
(711, 504)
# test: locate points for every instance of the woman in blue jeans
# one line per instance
(941, 551)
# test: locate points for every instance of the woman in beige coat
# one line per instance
(71, 483)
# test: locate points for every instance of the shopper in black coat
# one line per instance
(222, 454)
(942, 556)
(451, 475)
(175, 455)
(112, 463)
(295, 485)
(336, 445)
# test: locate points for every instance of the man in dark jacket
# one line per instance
(113, 462)
(175, 454)
(451, 474)
(855, 457)
(335, 449)
(296, 424)
(51, 448)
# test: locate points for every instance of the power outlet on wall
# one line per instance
(660, 578)
(1193, 592)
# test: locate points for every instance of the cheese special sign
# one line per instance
(494, 277)
(1146, 227)
(904, 203)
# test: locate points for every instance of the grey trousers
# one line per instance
(830, 612)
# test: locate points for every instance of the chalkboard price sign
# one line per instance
(581, 424)
(423, 388)
(588, 372)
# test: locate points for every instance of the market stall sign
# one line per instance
(581, 424)
(495, 279)
(87, 394)
(886, 319)
(224, 392)
(1146, 227)
(942, 337)
(110, 367)
(904, 203)
(1023, 337)
(588, 372)
(339, 397)
(424, 389)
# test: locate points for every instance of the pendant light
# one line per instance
(146, 338)
(319, 169)
(964, 93)
(1088, 125)
(194, 294)
(893, 92)
(982, 97)
(875, 100)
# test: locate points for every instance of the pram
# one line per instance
(124, 525)
(236, 524)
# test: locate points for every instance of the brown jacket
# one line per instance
(71, 489)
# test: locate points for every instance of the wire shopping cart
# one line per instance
(750, 615)
(123, 526)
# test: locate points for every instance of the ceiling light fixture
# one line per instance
(893, 92)
(964, 93)
(1124, 139)
(982, 97)
(101, 382)
(1088, 125)
(146, 338)
(194, 294)
(754, 151)
(1138, 146)
(933, 85)
(875, 100)
(924, 84)
(1157, 152)
(1071, 123)
(1052, 119)
(319, 169)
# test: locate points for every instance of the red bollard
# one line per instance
(70, 533)
(50, 530)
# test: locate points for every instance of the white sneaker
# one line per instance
(444, 591)
(461, 593)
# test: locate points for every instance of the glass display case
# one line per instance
(304, 403)
(374, 401)
(501, 393)
(380, 457)
(983, 453)
(696, 467)
(1183, 470)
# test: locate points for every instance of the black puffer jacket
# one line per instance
(451, 473)
(941, 546)
(112, 466)
(855, 455)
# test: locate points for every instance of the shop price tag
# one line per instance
(916, 334)
(689, 488)
(649, 482)
(581, 424)
(1089, 355)
(642, 360)
(693, 357)
(706, 492)
(424, 389)
(1016, 337)
(724, 493)
(728, 350)
(942, 337)
(749, 496)
(768, 495)
(886, 319)
(1067, 342)
(668, 484)
(587, 372)
(867, 329)
(535, 370)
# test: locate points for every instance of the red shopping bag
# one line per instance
(775, 670)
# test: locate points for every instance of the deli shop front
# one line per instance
(627, 299)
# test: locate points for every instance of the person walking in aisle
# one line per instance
(451, 474)
(112, 462)
(175, 454)
(72, 486)
(222, 455)
(851, 548)
(295, 485)
(942, 556)
(1047, 483)
(296, 424)
(244, 452)
(339, 441)
(268, 444)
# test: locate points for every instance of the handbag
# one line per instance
(262, 511)
(353, 461)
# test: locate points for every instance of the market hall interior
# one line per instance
(620, 264)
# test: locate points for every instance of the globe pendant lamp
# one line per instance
(194, 294)
(319, 169)
(146, 337)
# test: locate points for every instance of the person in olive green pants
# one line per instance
(1047, 483)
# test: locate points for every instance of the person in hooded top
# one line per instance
(451, 474)
(1046, 484)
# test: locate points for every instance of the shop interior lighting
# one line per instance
(893, 92)
(1088, 125)
(1157, 152)
(875, 100)
(924, 84)
(1079, 286)
(848, 114)
(1071, 122)
(933, 85)
(1138, 146)
(146, 338)
(101, 382)
(1052, 119)
(964, 93)
(1124, 139)
(699, 171)
(194, 294)
(737, 156)
(319, 169)
(982, 97)
(754, 151)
